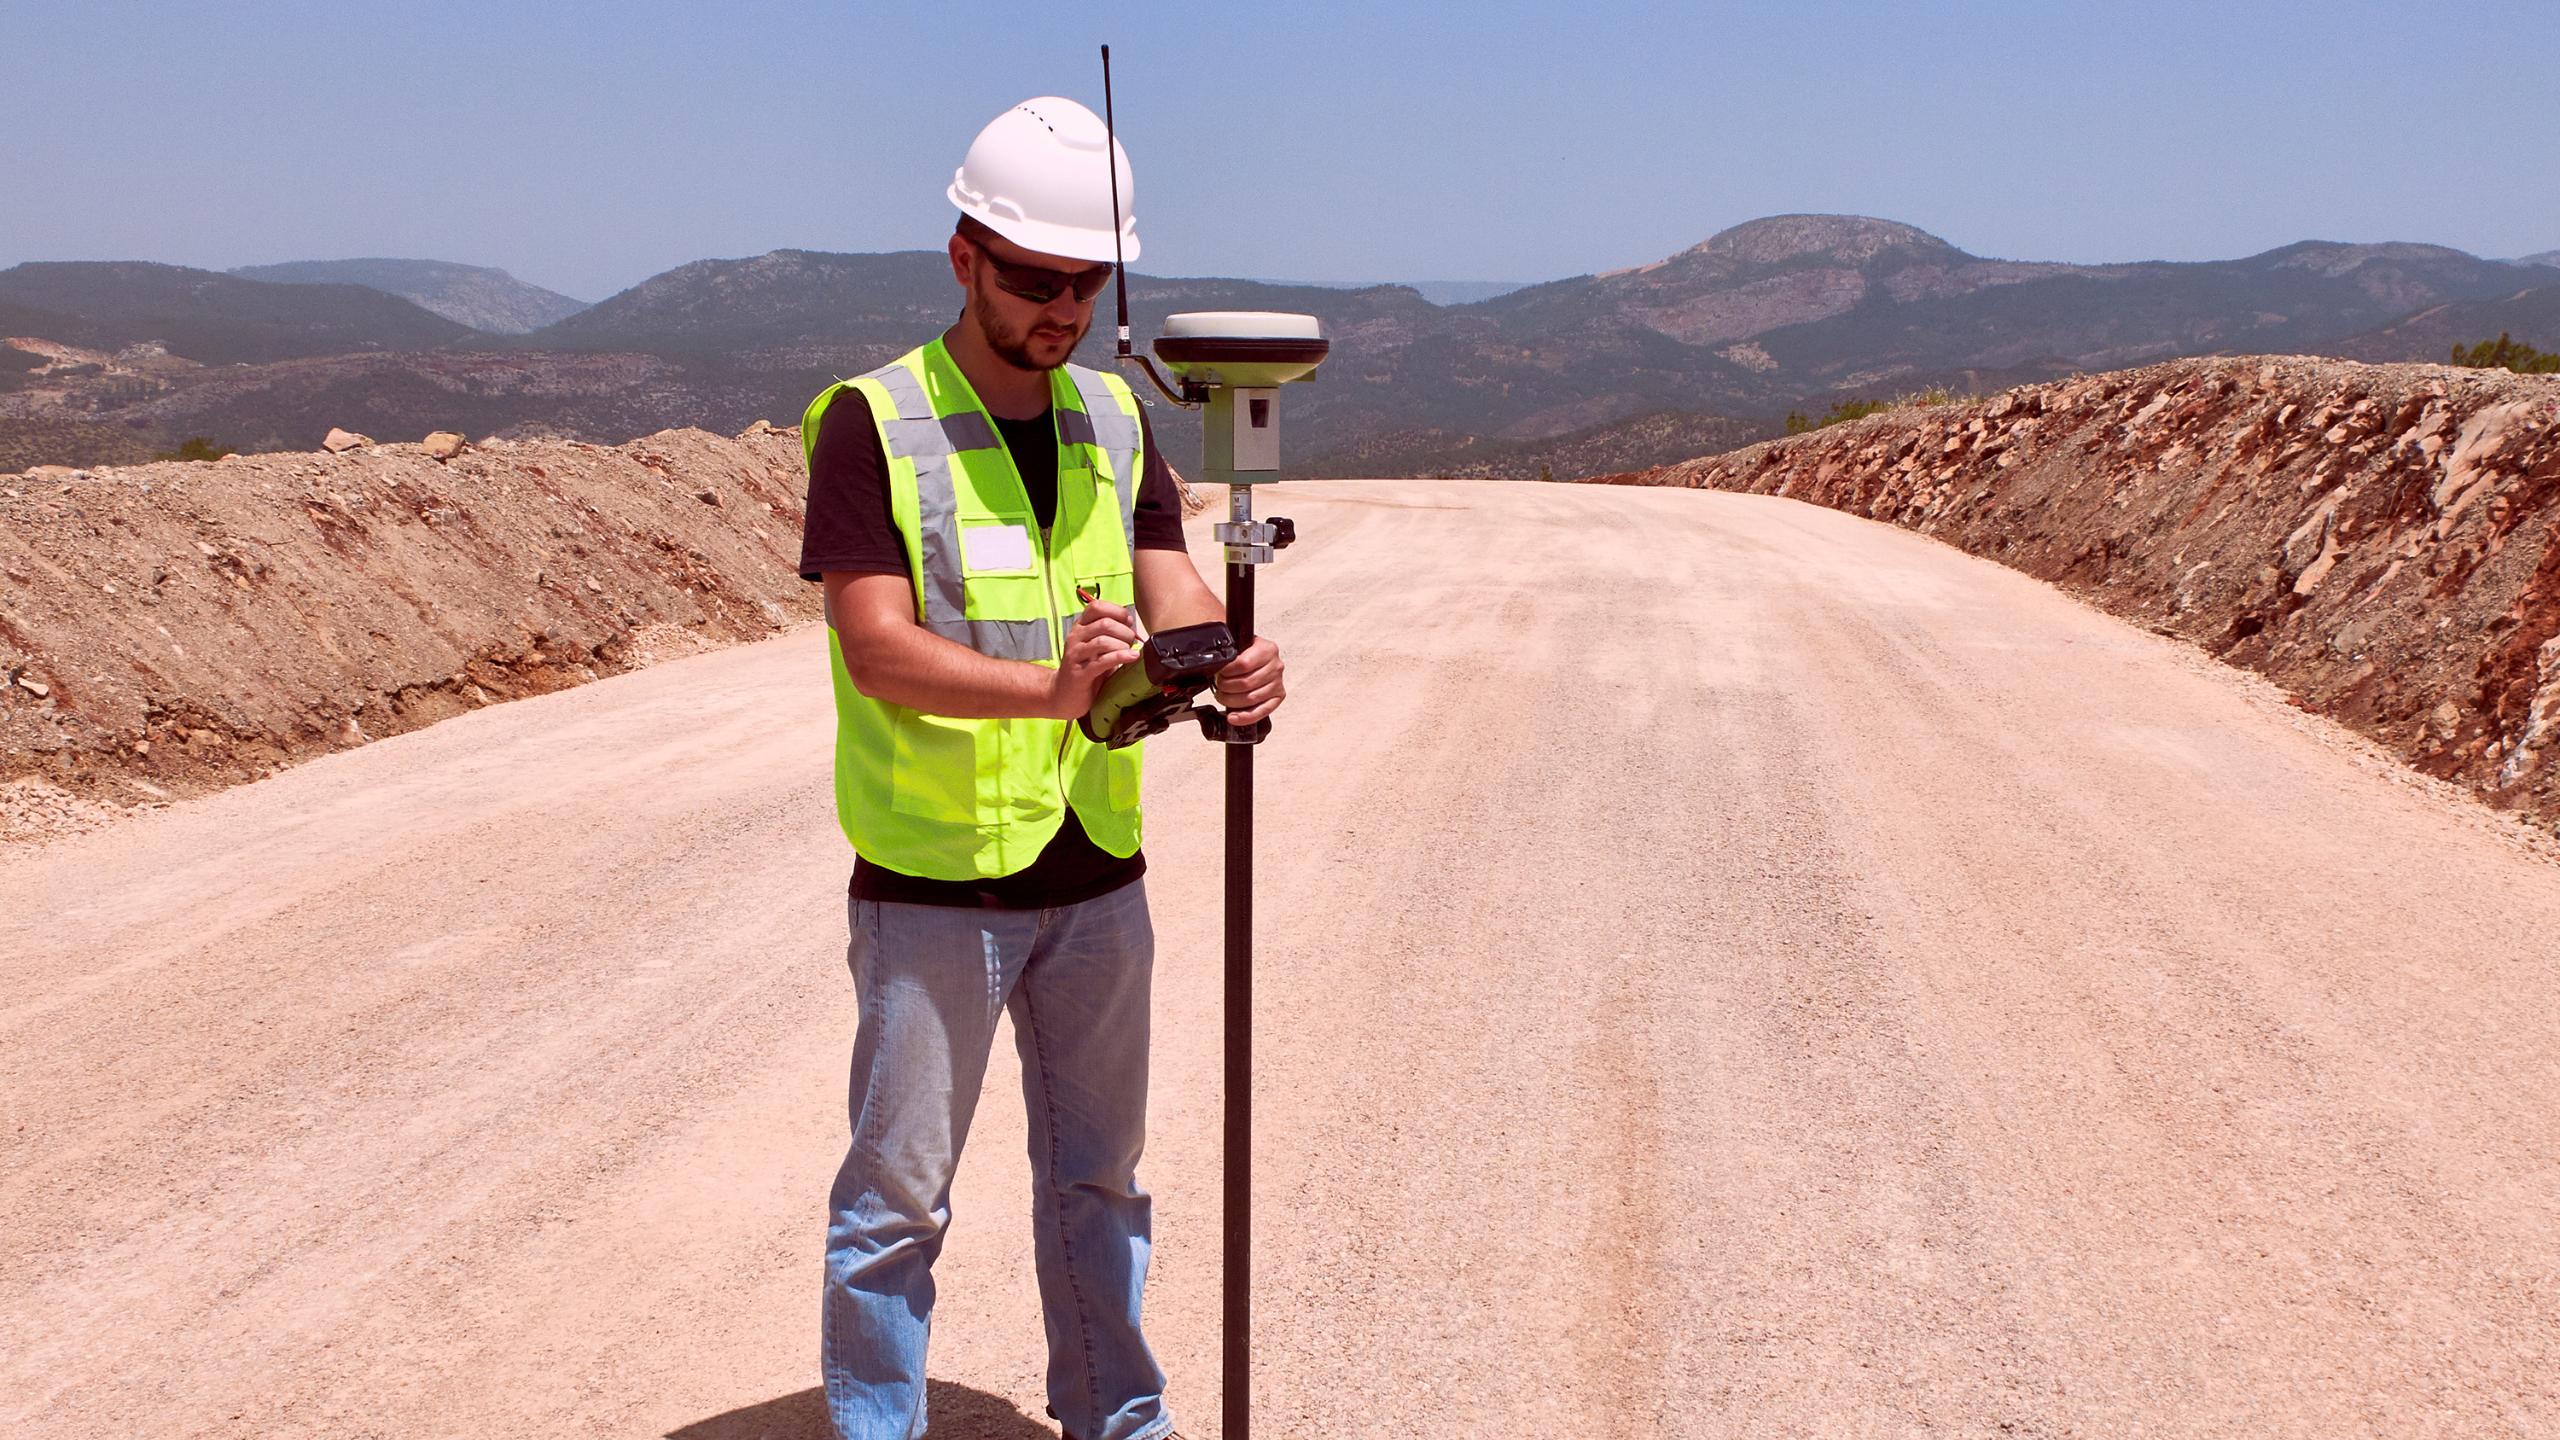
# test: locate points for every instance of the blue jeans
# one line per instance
(931, 980)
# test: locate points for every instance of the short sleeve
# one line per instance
(850, 528)
(1159, 508)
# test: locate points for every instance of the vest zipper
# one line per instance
(1067, 736)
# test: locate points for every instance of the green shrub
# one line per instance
(2505, 354)
(1852, 410)
(1799, 424)
(196, 447)
(1840, 410)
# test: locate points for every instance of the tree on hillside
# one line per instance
(1798, 424)
(196, 447)
(2505, 354)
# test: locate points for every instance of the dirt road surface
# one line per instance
(1729, 969)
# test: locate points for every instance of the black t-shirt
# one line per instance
(850, 530)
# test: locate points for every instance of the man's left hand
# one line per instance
(1249, 687)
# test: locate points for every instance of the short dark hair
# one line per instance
(975, 231)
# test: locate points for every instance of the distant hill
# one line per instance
(474, 295)
(767, 333)
(28, 320)
(2530, 316)
(1438, 292)
(1463, 292)
(215, 318)
(2547, 257)
(785, 298)
(1807, 304)
(1785, 313)
(25, 443)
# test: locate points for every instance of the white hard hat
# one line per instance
(1035, 176)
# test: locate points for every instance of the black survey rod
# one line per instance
(1236, 1373)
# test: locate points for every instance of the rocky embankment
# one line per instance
(2380, 540)
(168, 629)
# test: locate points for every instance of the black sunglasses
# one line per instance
(1040, 286)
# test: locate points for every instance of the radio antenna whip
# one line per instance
(1119, 264)
(1111, 160)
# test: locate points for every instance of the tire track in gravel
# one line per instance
(1726, 969)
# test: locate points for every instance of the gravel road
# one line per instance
(1728, 969)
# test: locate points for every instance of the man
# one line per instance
(963, 502)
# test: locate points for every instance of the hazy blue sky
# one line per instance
(587, 147)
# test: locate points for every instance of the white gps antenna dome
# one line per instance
(1247, 349)
(1038, 176)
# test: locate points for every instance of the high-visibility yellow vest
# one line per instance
(968, 799)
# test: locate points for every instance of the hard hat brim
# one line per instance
(1067, 242)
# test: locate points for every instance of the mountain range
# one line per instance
(1438, 292)
(210, 318)
(473, 295)
(1789, 312)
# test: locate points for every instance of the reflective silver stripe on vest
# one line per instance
(917, 434)
(1116, 435)
(904, 392)
(970, 430)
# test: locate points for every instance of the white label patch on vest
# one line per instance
(995, 547)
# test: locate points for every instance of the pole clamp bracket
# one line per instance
(1214, 727)
(1251, 542)
(1249, 532)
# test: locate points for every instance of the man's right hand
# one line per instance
(1103, 639)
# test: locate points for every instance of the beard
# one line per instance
(1042, 346)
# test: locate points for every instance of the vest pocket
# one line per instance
(933, 768)
(1121, 766)
(1004, 597)
(1000, 569)
(1102, 784)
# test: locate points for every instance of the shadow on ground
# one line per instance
(957, 1413)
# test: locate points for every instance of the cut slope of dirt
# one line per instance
(2378, 539)
(168, 629)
